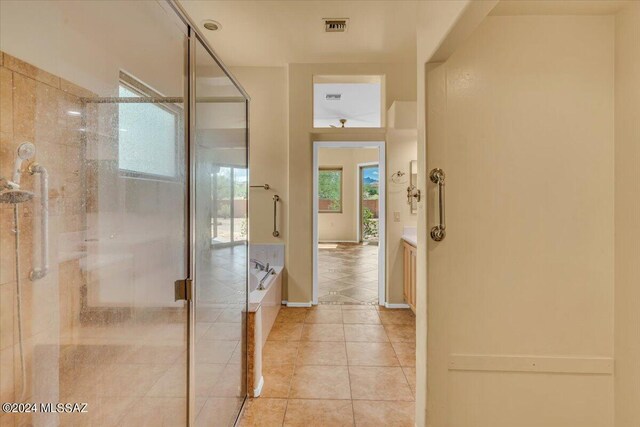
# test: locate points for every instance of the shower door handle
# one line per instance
(438, 232)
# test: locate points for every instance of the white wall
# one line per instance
(343, 226)
(627, 217)
(399, 85)
(267, 87)
(402, 149)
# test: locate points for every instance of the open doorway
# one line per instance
(348, 220)
(228, 205)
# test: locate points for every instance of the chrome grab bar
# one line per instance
(438, 232)
(276, 199)
(269, 272)
(43, 269)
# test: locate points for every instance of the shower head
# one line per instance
(26, 150)
(14, 196)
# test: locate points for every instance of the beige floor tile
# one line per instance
(229, 383)
(263, 412)
(398, 317)
(326, 307)
(155, 411)
(347, 307)
(218, 411)
(365, 333)
(124, 380)
(401, 333)
(208, 351)
(320, 382)
(279, 353)
(283, 331)
(369, 317)
(207, 376)
(380, 413)
(324, 316)
(277, 380)
(224, 331)
(378, 383)
(322, 353)
(307, 412)
(291, 315)
(322, 332)
(406, 353)
(371, 354)
(410, 374)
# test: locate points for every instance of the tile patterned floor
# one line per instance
(337, 365)
(348, 273)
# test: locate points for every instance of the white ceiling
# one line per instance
(274, 33)
(360, 104)
(559, 7)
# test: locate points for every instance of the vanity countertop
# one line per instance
(410, 235)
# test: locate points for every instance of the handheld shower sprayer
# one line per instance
(26, 151)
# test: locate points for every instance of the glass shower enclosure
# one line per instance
(112, 291)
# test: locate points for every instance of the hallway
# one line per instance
(337, 365)
(348, 273)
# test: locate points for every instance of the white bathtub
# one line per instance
(264, 305)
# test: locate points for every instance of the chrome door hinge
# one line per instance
(183, 290)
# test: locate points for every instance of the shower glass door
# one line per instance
(220, 149)
(99, 89)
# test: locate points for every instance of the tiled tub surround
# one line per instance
(333, 365)
(264, 306)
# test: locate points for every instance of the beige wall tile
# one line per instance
(74, 89)
(7, 303)
(6, 100)
(30, 71)
(6, 375)
(24, 107)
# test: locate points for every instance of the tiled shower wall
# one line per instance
(39, 107)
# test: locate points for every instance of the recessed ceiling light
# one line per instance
(211, 25)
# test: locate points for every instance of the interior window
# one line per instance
(347, 101)
(330, 190)
(147, 133)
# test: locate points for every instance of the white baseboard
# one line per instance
(391, 305)
(258, 389)
(338, 241)
(297, 304)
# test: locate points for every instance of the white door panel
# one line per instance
(520, 119)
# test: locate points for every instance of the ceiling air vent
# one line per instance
(335, 25)
(333, 96)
